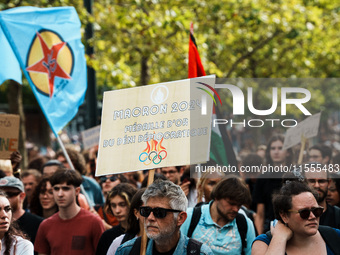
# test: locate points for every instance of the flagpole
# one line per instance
(72, 168)
(65, 152)
(151, 176)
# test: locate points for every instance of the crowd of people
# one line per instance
(53, 206)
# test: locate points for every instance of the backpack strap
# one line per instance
(241, 223)
(242, 226)
(194, 247)
(196, 215)
(331, 238)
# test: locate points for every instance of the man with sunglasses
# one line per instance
(317, 178)
(164, 211)
(72, 230)
(28, 223)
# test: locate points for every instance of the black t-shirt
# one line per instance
(155, 252)
(331, 217)
(107, 238)
(29, 224)
(263, 192)
(251, 185)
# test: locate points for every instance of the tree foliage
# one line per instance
(144, 42)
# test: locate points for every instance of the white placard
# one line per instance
(307, 128)
(155, 126)
(91, 137)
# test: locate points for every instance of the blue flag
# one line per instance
(47, 46)
(9, 65)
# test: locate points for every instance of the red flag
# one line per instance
(195, 67)
(221, 149)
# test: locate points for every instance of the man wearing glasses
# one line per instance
(317, 178)
(180, 175)
(320, 153)
(164, 211)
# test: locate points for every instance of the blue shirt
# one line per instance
(264, 238)
(221, 240)
(181, 248)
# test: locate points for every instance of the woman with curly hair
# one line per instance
(43, 203)
(13, 241)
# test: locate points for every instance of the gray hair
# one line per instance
(167, 189)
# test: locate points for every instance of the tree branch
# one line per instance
(248, 54)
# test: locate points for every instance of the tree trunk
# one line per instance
(144, 75)
(15, 106)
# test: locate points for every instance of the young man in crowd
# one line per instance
(72, 230)
(218, 224)
(91, 186)
(320, 153)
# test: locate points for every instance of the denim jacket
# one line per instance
(181, 248)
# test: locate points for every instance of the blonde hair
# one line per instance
(6, 167)
(201, 182)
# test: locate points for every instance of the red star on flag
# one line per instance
(48, 64)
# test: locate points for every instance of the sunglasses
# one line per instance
(304, 213)
(104, 178)
(12, 194)
(158, 212)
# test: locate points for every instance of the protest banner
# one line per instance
(307, 128)
(155, 126)
(90, 137)
(9, 134)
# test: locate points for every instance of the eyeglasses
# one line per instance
(104, 178)
(321, 181)
(158, 212)
(12, 194)
(304, 213)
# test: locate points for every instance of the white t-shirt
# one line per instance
(21, 246)
(115, 244)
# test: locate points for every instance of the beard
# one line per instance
(228, 217)
(322, 195)
(163, 234)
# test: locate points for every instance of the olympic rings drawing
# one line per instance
(153, 156)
